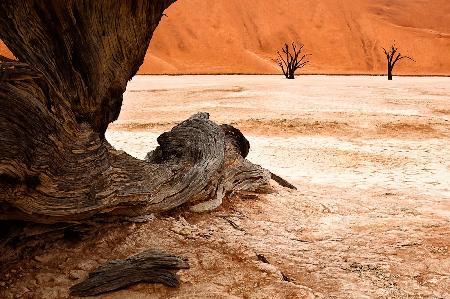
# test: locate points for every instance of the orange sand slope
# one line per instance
(4, 50)
(344, 36)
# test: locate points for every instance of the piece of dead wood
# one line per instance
(150, 266)
(282, 181)
(233, 224)
(262, 258)
(285, 277)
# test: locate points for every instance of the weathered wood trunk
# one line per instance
(76, 58)
(390, 72)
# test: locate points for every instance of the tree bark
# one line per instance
(148, 266)
(55, 164)
(389, 73)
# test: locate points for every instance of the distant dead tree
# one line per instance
(289, 62)
(393, 56)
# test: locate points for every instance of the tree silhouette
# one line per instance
(292, 60)
(393, 56)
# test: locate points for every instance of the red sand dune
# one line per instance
(344, 36)
(4, 50)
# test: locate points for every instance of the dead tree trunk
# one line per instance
(393, 56)
(75, 59)
(390, 72)
(291, 61)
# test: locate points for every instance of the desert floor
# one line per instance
(370, 218)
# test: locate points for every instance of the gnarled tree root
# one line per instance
(149, 266)
(197, 163)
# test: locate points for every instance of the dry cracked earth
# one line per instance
(370, 218)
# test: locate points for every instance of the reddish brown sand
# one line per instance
(344, 36)
(370, 219)
(5, 51)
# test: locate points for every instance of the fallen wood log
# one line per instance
(281, 181)
(149, 266)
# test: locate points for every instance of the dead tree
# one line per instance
(393, 56)
(291, 61)
(56, 102)
(74, 61)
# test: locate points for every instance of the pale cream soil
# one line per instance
(370, 218)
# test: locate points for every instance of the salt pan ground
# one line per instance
(370, 218)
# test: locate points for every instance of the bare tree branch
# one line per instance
(294, 59)
(393, 56)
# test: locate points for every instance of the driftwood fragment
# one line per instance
(150, 266)
(281, 181)
(233, 224)
(285, 277)
(262, 258)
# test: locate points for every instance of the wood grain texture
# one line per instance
(149, 266)
(55, 164)
(87, 50)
